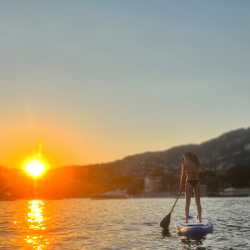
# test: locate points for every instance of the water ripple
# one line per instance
(119, 224)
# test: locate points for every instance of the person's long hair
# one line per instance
(193, 157)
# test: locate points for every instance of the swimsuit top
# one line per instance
(193, 172)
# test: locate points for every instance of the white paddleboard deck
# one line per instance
(193, 226)
(193, 222)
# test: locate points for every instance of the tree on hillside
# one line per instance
(136, 188)
(121, 182)
(204, 177)
(239, 176)
(217, 182)
(168, 181)
(158, 171)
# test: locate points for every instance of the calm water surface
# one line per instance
(119, 224)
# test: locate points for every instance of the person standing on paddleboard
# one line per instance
(190, 168)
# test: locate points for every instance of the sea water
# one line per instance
(119, 224)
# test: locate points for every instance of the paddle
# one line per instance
(165, 222)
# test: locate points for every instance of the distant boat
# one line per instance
(109, 195)
(229, 192)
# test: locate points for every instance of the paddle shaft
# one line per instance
(165, 222)
(175, 203)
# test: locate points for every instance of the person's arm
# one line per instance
(182, 177)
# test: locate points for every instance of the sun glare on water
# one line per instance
(35, 168)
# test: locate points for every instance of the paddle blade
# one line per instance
(165, 222)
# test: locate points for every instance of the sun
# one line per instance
(35, 168)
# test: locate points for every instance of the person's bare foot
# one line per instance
(185, 221)
(199, 221)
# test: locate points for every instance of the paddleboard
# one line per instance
(193, 226)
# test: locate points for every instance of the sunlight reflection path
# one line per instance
(36, 225)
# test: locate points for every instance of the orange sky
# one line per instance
(60, 145)
(98, 82)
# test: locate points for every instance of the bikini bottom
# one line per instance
(193, 183)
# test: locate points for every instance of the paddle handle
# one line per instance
(176, 201)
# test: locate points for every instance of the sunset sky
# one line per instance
(95, 81)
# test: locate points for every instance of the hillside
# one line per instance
(218, 154)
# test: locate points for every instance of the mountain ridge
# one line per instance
(217, 154)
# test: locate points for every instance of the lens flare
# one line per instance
(35, 165)
(35, 168)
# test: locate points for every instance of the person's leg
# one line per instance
(188, 193)
(197, 194)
